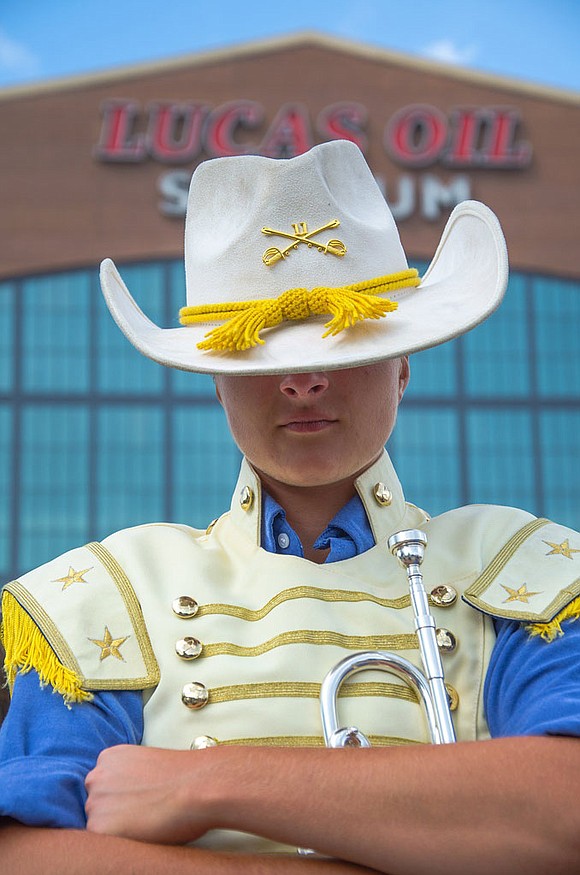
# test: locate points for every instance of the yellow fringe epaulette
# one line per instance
(27, 648)
(553, 629)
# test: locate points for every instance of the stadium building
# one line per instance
(93, 437)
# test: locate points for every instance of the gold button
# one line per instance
(382, 494)
(246, 498)
(202, 742)
(446, 640)
(453, 697)
(443, 596)
(194, 696)
(188, 648)
(185, 607)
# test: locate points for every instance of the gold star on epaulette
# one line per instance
(109, 645)
(72, 577)
(563, 549)
(518, 595)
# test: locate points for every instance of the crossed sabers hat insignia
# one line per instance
(302, 235)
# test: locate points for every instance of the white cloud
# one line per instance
(447, 51)
(16, 57)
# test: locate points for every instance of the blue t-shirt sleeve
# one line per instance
(533, 686)
(47, 749)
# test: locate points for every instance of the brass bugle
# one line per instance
(409, 548)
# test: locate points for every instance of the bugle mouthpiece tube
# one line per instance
(409, 548)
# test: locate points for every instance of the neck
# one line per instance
(309, 509)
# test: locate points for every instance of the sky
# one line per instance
(531, 40)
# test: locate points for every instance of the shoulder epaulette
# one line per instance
(534, 578)
(78, 623)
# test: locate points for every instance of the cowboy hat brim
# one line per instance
(463, 285)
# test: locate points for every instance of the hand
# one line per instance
(145, 793)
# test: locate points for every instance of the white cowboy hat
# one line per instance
(274, 248)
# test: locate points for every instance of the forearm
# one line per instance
(28, 851)
(478, 807)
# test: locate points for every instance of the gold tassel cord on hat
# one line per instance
(553, 629)
(244, 320)
(27, 648)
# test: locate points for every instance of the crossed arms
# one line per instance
(502, 806)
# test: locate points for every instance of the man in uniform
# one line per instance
(190, 662)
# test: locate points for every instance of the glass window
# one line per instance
(560, 443)
(434, 372)
(6, 466)
(120, 367)
(56, 348)
(425, 450)
(496, 353)
(7, 331)
(193, 386)
(421, 266)
(130, 467)
(501, 458)
(557, 309)
(54, 482)
(206, 464)
(163, 450)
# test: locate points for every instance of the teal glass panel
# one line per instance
(418, 264)
(433, 372)
(501, 458)
(56, 347)
(120, 367)
(191, 385)
(7, 329)
(557, 321)
(54, 485)
(6, 465)
(559, 432)
(206, 464)
(496, 353)
(425, 450)
(130, 466)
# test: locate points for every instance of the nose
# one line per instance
(304, 385)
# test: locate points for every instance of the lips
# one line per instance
(308, 424)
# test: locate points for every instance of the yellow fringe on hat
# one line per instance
(553, 629)
(346, 304)
(27, 648)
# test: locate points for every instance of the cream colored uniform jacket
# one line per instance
(269, 626)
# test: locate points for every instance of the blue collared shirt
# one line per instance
(531, 688)
(347, 534)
